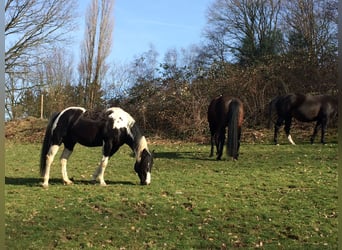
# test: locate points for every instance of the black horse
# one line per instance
(304, 108)
(225, 111)
(109, 128)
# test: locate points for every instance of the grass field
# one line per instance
(274, 197)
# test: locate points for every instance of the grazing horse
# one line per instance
(225, 111)
(304, 108)
(109, 128)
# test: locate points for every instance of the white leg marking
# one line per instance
(99, 172)
(49, 159)
(290, 140)
(148, 178)
(64, 159)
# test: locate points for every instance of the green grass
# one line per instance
(274, 197)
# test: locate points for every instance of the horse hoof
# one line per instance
(103, 184)
(45, 185)
(67, 183)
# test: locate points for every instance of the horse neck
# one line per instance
(139, 147)
(137, 143)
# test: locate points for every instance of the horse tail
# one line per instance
(46, 143)
(235, 114)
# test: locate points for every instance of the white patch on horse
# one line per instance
(64, 159)
(56, 121)
(290, 140)
(121, 119)
(148, 178)
(141, 146)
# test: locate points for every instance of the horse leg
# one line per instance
(324, 128)
(99, 172)
(287, 130)
(49, 159)
(217, 143)
(277, 126)
(212, 139)
(313, 136)
(107, 150)
(221, 138)
(64, 159)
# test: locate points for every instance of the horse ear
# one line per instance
(146, 152)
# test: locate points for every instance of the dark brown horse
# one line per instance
(225, 111)
(304, 108)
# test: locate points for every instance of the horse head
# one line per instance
(143, 167)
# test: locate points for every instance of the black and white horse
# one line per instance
(110, 129)
(304, 108)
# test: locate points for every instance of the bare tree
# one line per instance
(245, 29)
(118, 81)
(56, 74)
(32, 27)
(96, 49)
(312, 28)
(53, 89)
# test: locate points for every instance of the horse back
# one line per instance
(65, 120)
(285, 105)
(71, 127)
(218, 111)
(89, 132)
(306, 108)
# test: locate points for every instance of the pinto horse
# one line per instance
(225, 111)
(304, 108)
(109, 128)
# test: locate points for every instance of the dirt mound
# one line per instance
(29, 130)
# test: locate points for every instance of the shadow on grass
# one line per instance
(32, 182)
(200, 156)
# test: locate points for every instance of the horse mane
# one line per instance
(139, 141)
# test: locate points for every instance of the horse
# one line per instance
(110, 128)
(304, 108)
(225, 111)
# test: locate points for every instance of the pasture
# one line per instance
(273, 197)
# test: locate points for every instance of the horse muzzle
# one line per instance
(147, 180)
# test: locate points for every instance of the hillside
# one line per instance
(27, 130)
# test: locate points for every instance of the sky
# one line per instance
(165, 24)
